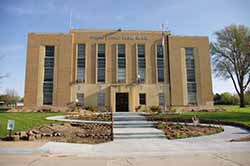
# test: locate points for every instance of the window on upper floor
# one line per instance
(48, 75)
(121, 63)
(160, 63)
(141, 63)
(81, 63)
(191, 80)
(101, 63)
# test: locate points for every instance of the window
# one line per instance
(47, 93)
(141, 63)
(80, 98)
(160, 63)
(121, 63)
(161, 99)
(101, 63)
(48, 75)
(81, 63)
(101, 99)
(191, 80)
(142, 97)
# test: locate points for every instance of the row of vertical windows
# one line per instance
(100, 99)
(121, 74)
(81, 63)
(143, 101)
(160, 63)
(191, 80)
(48, 75)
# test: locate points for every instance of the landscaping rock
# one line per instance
(34, 131)
(23, 135)
(17, 133)
(16, 138)
(31, 138)
(38, 136)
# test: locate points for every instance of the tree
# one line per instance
(231, 57)
(11, 96)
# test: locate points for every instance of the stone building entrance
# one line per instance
(121, 102)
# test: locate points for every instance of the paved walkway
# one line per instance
(191, 159)
(141, 147)
(213, 150)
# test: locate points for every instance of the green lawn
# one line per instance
(233, 114)
(23, 120)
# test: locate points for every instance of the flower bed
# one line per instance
(68, 132)
(90, 116)
(177, 131)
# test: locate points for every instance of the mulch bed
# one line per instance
(67, 132)
(177, 131)
(206, 121)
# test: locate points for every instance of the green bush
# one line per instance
(226, 98)
(156, 109)
(247, 97)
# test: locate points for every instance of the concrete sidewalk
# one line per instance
(155, 147)
(191, 159)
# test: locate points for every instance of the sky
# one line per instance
(182, 17)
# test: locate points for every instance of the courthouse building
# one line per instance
(122, 69)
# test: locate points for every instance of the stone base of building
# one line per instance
(209, 107)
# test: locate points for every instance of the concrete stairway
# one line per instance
(132, 125)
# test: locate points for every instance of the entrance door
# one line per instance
(121, 102)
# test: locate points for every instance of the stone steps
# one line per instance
(128, 114)
(131, 125)
(129, 118)
(148, 136)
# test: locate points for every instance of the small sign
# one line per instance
(11, 125)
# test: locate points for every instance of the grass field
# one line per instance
(233, 114)
(23, 120)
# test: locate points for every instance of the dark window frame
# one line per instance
(142, 99)
(48, 85)
(101, 63)
(160, 63)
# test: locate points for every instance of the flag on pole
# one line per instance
(162, 35)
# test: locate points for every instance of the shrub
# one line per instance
(226, 98)
(156, 109)
(162, 125)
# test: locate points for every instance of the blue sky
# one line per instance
(183, 17)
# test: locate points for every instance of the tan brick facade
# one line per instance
(65, 88)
